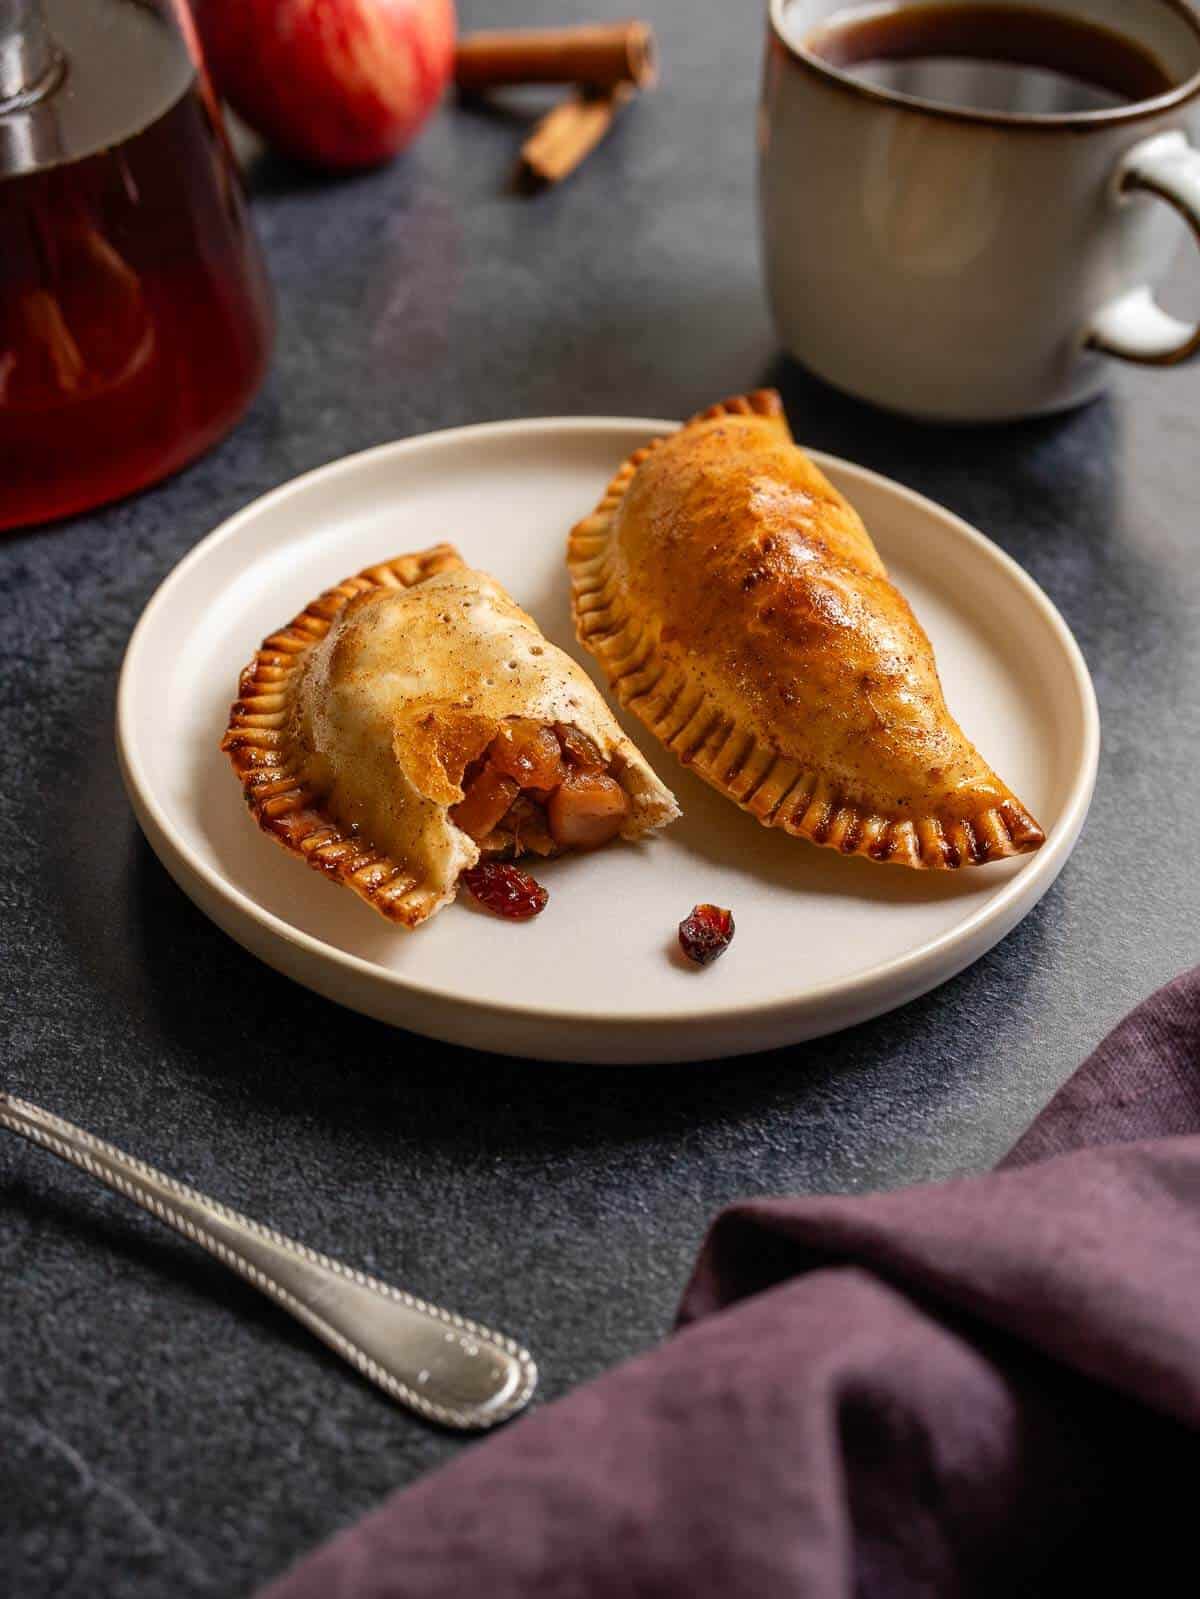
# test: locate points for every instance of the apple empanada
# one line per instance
(740, 609)
(414, 721)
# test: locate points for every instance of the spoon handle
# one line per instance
(446, 1368)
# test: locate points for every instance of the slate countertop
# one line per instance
(165, 1431)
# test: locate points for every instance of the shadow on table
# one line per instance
(827, 418)
(85, 1219)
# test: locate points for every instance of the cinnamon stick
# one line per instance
(599, 55)
(569, 132)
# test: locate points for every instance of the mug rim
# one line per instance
(1081, 121)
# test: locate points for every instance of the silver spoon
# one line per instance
(446, 1368)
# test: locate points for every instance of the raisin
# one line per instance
(706, 933)
(506, 890)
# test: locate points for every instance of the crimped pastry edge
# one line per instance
(278, 798)
(778, 791)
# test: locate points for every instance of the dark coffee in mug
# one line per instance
(956, 263)
(1018, 59)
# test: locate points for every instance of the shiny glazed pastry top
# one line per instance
(414, 721)
(740, 609)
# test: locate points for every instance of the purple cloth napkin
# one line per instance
(985, 1386)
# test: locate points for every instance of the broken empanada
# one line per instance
(740, 609)
(413, 721)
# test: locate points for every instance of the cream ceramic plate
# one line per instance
(822, 941)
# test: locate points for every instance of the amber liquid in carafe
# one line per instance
(1022, 60)
(134, 316)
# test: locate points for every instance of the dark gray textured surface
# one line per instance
(164, 1431)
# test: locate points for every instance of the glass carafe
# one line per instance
(135, 321)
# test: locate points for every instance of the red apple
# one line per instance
(339, 83)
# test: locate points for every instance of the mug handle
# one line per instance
(1134, 326)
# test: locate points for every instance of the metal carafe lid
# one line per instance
(30, 65)
(31, 69)
(79, 77)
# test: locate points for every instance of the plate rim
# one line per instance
(1039, 874)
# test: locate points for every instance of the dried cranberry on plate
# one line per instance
(706, 933)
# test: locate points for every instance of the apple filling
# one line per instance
(540, 789)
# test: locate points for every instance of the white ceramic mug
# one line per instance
(970, 265)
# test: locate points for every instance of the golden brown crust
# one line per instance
(741, 611)
(355, 725)
(256, 741)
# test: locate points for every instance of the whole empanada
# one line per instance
(414, 720)
(741, 611)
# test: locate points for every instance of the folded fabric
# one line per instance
(985, 1386)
